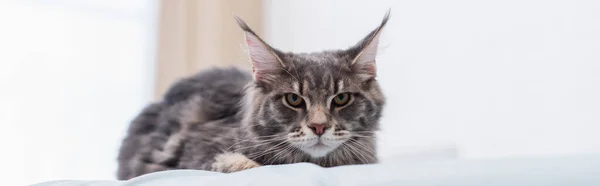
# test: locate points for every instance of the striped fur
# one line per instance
(228, 120)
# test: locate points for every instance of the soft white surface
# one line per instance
(576, 170)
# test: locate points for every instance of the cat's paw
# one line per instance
(232, 162)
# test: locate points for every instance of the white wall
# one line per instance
(72, 75)
(491, 78)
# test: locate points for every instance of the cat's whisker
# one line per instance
(364, 147)
(241, 149)
(267, 138)
(365, 150)
(257, 144)
(295, 155)
(274, 157)
(262, 154)
(369, 132)
(259, 138)
(347, 155)
(274, 138)
(254, 144)
(356, 152)
(238, 149)
(268, 150)
(256, 155)
(363, 136)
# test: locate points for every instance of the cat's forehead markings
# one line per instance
(296, 86)
(305, 87)
(315, 58)
(340, 85)
(331, 84)
(311, 78)
(309, 57)
(324, 77)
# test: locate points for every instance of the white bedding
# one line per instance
(567, 171)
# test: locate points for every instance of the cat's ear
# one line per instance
(265, 61)
(363, 62)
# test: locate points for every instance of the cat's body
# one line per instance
(320, 107)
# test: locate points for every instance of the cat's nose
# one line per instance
(318, 129)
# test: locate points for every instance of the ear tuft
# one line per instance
(265, 61)
(364, 62)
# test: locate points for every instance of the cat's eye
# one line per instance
(294, 100)
(341, 99)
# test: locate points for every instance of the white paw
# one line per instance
(232, 162)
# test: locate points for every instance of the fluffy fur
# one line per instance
(227, 120)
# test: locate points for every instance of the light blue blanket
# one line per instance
(563, 171)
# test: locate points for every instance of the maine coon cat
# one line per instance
(321, 107)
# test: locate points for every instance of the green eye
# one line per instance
(294, 100)
(341, 99)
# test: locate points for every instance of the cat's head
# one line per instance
(316, 102)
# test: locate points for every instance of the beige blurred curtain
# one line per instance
(199, 34)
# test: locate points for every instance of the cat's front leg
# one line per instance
(232, 162)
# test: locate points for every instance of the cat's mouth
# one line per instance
(320, 144)
(319, 148)
(317, 145)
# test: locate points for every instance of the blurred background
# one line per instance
(465, 79)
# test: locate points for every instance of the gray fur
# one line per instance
(225, 110)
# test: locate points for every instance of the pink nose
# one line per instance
(318, 129)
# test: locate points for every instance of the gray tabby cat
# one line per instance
(322, 108)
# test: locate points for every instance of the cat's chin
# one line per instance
(318, 150)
